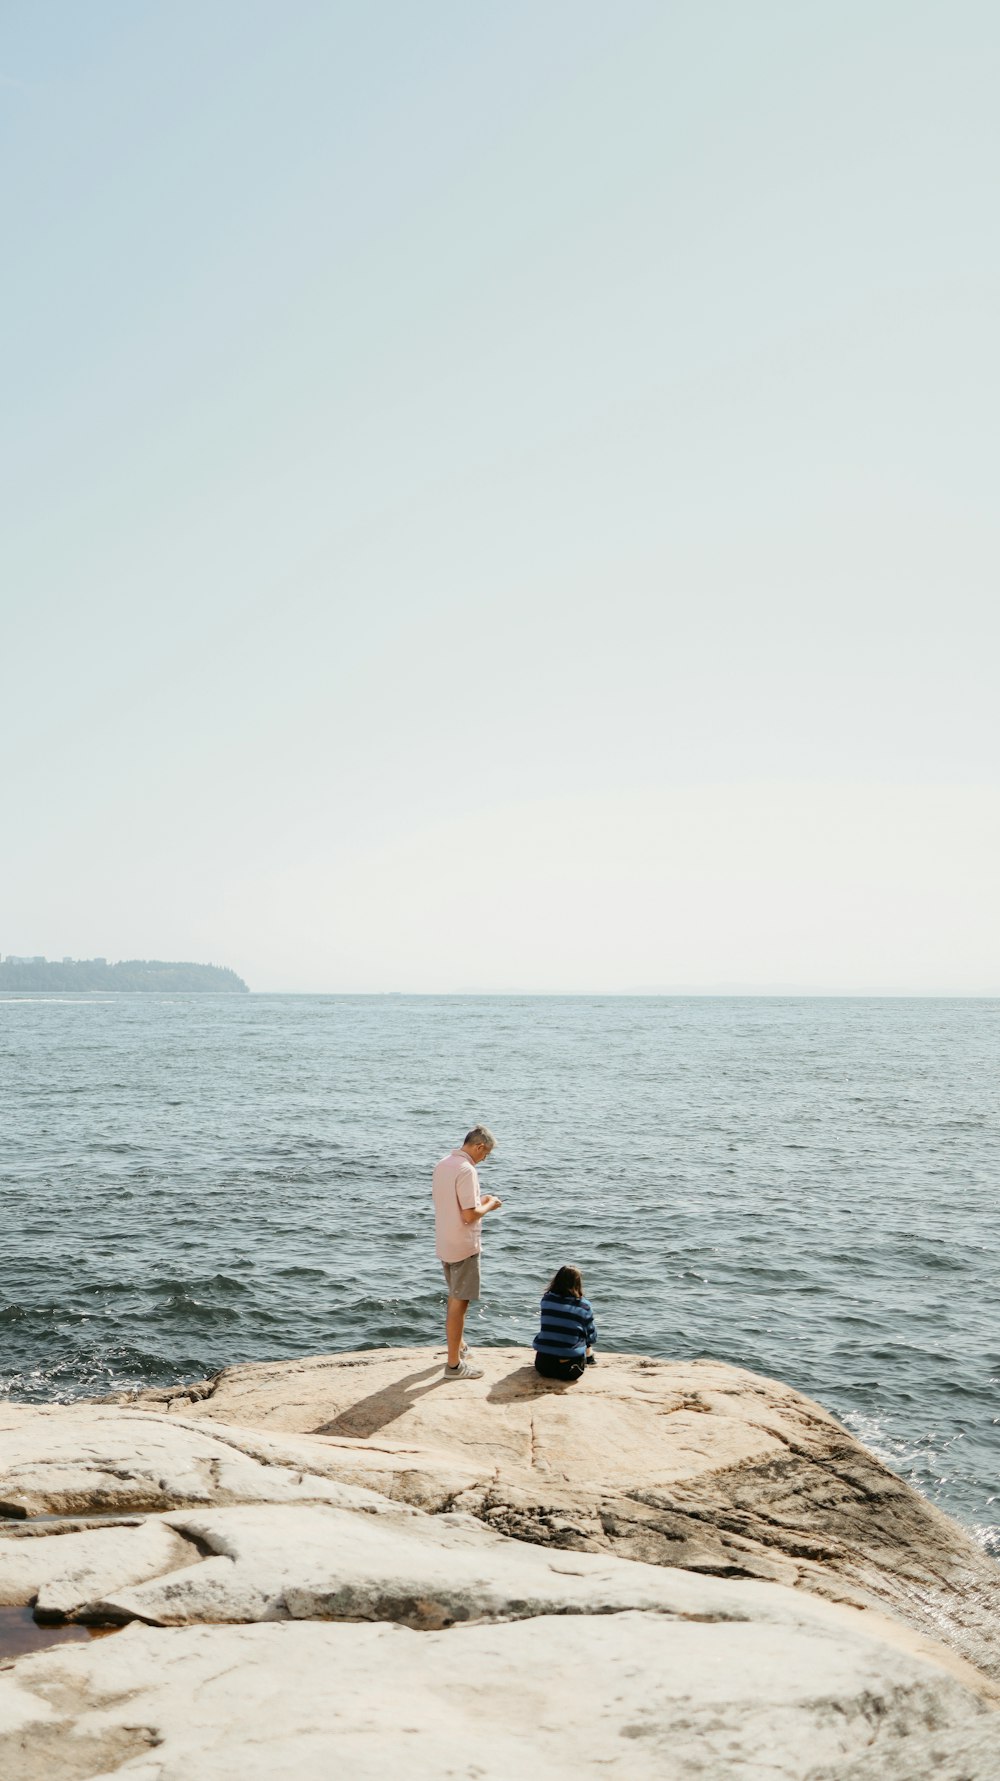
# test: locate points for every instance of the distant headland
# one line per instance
(127, 974)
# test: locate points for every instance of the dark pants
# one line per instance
(552, 1367)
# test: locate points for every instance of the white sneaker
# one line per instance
(463, 1371)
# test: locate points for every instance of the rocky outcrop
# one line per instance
(59, 1571)
(695, 1465)
(85, 1459)
(634, 1696)
(346, 1565)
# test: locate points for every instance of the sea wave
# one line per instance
(801, 1188)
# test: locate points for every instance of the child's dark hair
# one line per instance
(567, 1282)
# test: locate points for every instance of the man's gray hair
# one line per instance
(480, 1134)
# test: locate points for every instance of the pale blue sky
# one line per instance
(503, 496)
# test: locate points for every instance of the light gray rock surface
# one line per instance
(665, 1611)
(87, 1459)
(63, 1571)
(429, 1572)
(693, 1464)
(388, 1562)
(631, 1695)
(321, 1562)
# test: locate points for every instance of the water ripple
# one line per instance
(805, 1188)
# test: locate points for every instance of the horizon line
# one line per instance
(735, 992)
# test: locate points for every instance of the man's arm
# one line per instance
(470, 1205)
(470, 1214)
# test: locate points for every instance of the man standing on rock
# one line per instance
(459, 1210)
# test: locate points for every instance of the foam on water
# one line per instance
(806, 1188)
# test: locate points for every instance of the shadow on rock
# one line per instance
(524, 1382)
(370, 1414)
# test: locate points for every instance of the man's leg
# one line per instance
(455, 1326)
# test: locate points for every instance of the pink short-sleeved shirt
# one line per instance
(456, 1184)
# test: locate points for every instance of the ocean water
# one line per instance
(804, 1187)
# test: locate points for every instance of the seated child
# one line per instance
(563, 1344)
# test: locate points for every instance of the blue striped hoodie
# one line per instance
(568, 1327)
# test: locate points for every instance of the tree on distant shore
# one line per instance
(127, 975)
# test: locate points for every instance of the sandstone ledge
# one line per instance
(634, 1697)
(695, 1465)
(664, 1570)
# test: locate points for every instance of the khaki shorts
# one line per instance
(462, 1278)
